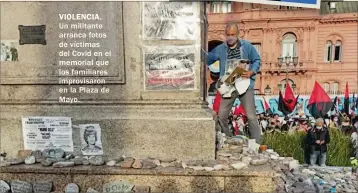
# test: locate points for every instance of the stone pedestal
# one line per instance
(134, 120)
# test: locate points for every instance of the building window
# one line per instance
(226, 7)
(333, 52)
(326, 87)
(289, 45)
(221, 7)
(334, 88)
(215, 7)
(337, 51)
(282, 85)
(329, 51)
(257, 47)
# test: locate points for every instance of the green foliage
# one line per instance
(354, 162)
(340, 148)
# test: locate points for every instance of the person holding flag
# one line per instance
(346, 108)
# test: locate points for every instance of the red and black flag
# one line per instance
(267, 107)
(346, 100)
(335, 104)
(288, 103)
(320, 103)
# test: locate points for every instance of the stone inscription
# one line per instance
(118, 186)
(18, 186)
(32, 34)
(42, 187)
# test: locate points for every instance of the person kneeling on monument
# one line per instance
(318, 138)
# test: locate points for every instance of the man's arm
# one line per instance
(213, 56)
(255, 59)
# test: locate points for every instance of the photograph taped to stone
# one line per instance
(169, 68)
(170, 21)
(315, 4)
(9, 50)
(91, 140)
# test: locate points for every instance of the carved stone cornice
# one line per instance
(338, 21)
(216, 27)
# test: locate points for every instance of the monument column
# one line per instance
(143, 89)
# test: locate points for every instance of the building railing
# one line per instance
(276, 92)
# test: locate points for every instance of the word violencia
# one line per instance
(83, 16)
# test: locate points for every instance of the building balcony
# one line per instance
(274, 68)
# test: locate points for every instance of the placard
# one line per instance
(42, 133)
(169, 70)
(32, 34)
(170, 20)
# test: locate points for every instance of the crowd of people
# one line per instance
(274, 123)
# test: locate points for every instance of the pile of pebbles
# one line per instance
(235, 153)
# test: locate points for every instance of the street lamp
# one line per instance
(288, 62)
(267, 90)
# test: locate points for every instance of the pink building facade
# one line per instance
(313, 46)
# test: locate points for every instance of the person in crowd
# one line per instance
(354, 118)
(318, 138)
(334, 122)
(286, 124)
(346, 125)
(263, 122)
(241, 123)
(234, 48)
(274, 123)
(303, 124)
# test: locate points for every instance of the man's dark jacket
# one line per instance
(315, 134)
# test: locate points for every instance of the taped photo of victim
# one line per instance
(91, 143)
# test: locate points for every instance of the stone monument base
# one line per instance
(181, 130)
(253, 180)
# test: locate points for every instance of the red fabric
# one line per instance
(267, 107)
(239, 110)
(289, 99)
(216, 104)
(318, 95)
(236, 128)
(346, 94)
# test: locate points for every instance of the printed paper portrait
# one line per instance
(91, 142)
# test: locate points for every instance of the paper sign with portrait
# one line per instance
(91, 142)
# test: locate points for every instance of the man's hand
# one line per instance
(322, 142)
(318, 142)
(247, 74)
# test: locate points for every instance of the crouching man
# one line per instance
(318, 138)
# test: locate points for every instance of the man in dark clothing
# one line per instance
(318, 138)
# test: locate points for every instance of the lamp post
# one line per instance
(288, 62)
(267, 90)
